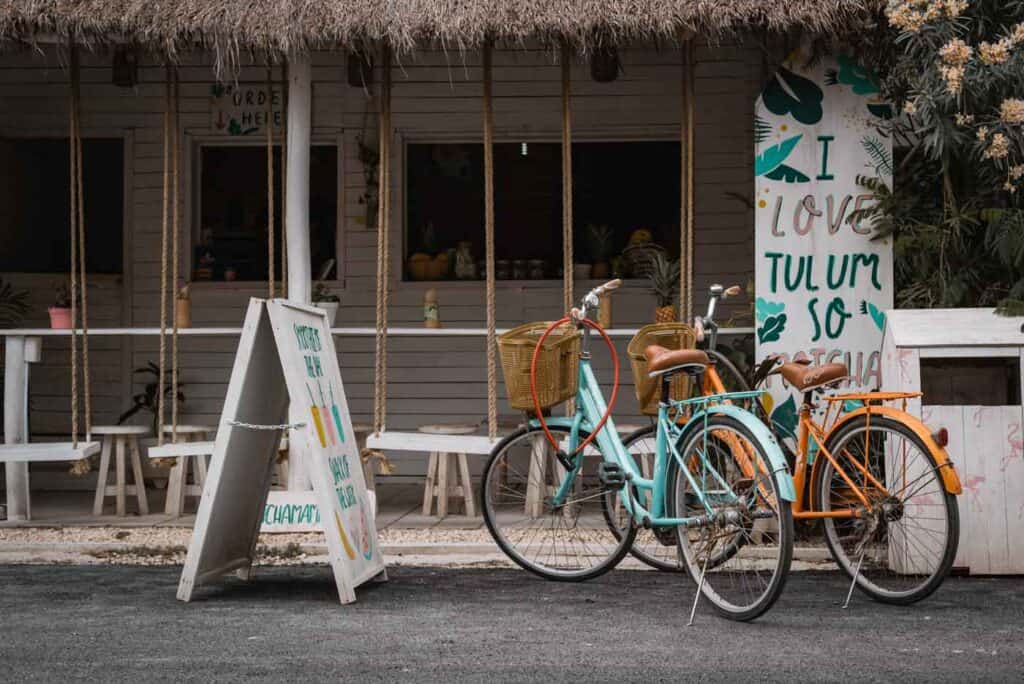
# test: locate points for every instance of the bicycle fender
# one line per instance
(950, 478)
(771, 446)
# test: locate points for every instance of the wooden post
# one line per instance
(299, 124)
(300, 95)
(16, 426)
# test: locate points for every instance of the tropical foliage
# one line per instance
(954, 70)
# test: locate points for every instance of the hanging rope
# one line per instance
(384, 183)
(79, 296)
(686, 213)
(175, 246)
(284, 177)
(163, 258)
(492, 373)
(270, 181)
(567, 233)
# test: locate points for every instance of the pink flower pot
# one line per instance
(60, 318)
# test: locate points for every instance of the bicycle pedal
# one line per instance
(611, 475)
(666, 536)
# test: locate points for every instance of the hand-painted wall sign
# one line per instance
(241, 109)
(822, 284)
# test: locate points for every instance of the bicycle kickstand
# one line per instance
(856, 574)
(700, 589)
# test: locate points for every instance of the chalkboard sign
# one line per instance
(285, 354)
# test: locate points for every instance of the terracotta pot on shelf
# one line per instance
(60, 318)
(600, 270)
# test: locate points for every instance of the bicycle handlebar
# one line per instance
(591, 300)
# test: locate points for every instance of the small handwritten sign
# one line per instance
(821, 283)
(241, 109)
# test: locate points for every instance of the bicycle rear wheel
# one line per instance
(902, 548)
(569, 542)
(657, 549)
(740, 553)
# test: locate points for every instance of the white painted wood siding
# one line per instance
(436, 95)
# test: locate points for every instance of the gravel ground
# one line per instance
(102, 624)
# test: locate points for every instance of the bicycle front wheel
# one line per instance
(739, 553)
(571, 541)
(901, 547)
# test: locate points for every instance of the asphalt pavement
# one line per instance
(117, 623)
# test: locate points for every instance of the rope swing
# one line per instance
(77, 245)
(492, 374)
(384, 210)
(686, 211)
(169, 242)
(567, 233)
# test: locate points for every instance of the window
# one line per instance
(232, 213)
(35, 211)
(971, 382)
(625, 186)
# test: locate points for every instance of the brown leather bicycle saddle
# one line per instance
(805, 378)
(661, 360)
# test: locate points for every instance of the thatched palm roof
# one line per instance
(228, 26)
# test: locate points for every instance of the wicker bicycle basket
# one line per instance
(557, 364)
(670, 336)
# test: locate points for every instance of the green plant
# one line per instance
(600, 241)
(147, 399)
(369, 157)
(321, 290)
(664, 279)
(61, 297)
(13, 305)
(953, 209)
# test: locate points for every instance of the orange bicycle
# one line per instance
(878, 479)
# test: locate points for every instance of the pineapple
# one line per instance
(664, 277)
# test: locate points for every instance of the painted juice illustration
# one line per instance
(349, 551)
(317, 421)
(337, 415)
(326, 417)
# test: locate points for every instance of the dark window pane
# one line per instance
(233, 211)
(971, 382)
(623, 185)
(35, 205)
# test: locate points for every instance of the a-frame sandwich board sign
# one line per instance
(286, 353)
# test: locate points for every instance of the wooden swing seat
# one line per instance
(44, 452)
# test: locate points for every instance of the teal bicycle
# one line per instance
(553, 492)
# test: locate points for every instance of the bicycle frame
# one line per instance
(590, 406)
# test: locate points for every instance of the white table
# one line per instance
(23, 347)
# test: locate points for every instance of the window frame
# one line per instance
(193, 201)
(402, 139)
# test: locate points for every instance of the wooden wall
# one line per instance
(436, 95)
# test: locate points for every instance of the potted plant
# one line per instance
(664, 280)
(147, 400)
(13, 305)
(60, 312)
(183, 308)
(600, 250)
(323, 298)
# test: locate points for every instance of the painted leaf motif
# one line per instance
(786, 174)
(788, 93)
(860, 80)
(764, 308)
(876, 314)
(772, 329)
(784, 418)
(772, 158)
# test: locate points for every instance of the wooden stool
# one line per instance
(120, 438)
(177, 483)
(445, 470)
